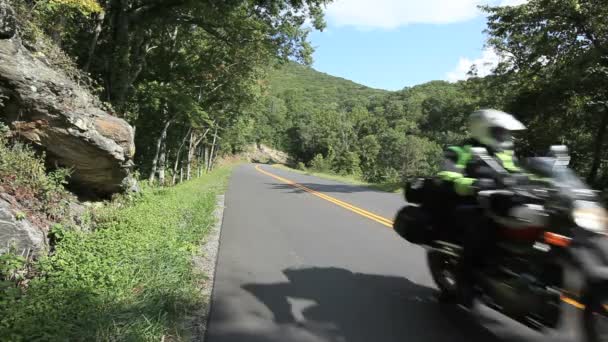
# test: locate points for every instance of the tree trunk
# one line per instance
(100, 18)
(599, 144)
(194, 143)
(179, 152)
(161, 164)
(121, 63)
(212, 150)
(206, 160)
(159, 144)
(200, 161)
(190, 155)
(181, 174)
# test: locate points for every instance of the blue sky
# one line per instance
(390, 44)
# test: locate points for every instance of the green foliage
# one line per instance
(321, 164)
(337, 126)
(196, 65)
(23, 175)
(11, 266)
(556, 74)
(348, 163)
(130, 279)
(12, 271)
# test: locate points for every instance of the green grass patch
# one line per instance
(131, 279)
(349, 179)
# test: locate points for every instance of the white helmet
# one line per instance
(494, 128)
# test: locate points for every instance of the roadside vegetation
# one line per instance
(24, 177)
(131, 278)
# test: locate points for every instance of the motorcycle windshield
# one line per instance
(563, 176)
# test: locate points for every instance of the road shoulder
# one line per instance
(206, 263)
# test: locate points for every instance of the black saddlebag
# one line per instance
(414, 224)
(421, 190)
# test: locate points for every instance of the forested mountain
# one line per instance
(332, 124)
(302, 79)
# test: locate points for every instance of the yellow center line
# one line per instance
(374, 217)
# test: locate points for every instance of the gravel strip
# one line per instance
(205, 263)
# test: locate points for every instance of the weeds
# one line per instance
(129, 279)
(23, 175)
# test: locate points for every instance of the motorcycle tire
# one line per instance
(595, 317)
(443, 272)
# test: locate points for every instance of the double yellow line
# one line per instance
(347, 206)
(377, 218)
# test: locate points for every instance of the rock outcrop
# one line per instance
(17, 234)
(260, 153)
(46, 108)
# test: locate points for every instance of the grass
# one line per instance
(349, 179)
(132, 279)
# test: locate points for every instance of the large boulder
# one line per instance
(48, 109)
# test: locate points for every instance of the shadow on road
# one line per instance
(325, 188)
(338, 305)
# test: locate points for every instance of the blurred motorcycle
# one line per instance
(552, 244)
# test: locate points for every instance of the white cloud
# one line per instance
(389, 14)
(485, 66)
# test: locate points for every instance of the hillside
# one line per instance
(317, 85)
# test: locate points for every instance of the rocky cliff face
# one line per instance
(49, 110)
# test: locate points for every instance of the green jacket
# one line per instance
(458, 169)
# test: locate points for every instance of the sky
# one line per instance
(392, 44)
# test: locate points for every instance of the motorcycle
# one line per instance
(551, 245)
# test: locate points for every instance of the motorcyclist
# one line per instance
(463, 177)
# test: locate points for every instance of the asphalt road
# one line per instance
(296, 267)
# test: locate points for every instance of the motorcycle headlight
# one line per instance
(590, 216)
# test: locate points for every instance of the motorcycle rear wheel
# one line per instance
(443, 271)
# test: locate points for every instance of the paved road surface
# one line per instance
(295, 267)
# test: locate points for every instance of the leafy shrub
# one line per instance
(348, 164)
(322, 164)
(24, 176)
(300, 166)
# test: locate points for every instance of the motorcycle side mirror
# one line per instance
(561, 155)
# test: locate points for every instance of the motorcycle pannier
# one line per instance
(413, 224)
(419, 190)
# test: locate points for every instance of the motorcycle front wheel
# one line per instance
(595, 318)
(443, 271)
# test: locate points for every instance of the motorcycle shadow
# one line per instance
(335, 304)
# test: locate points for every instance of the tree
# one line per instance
(555, 56)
